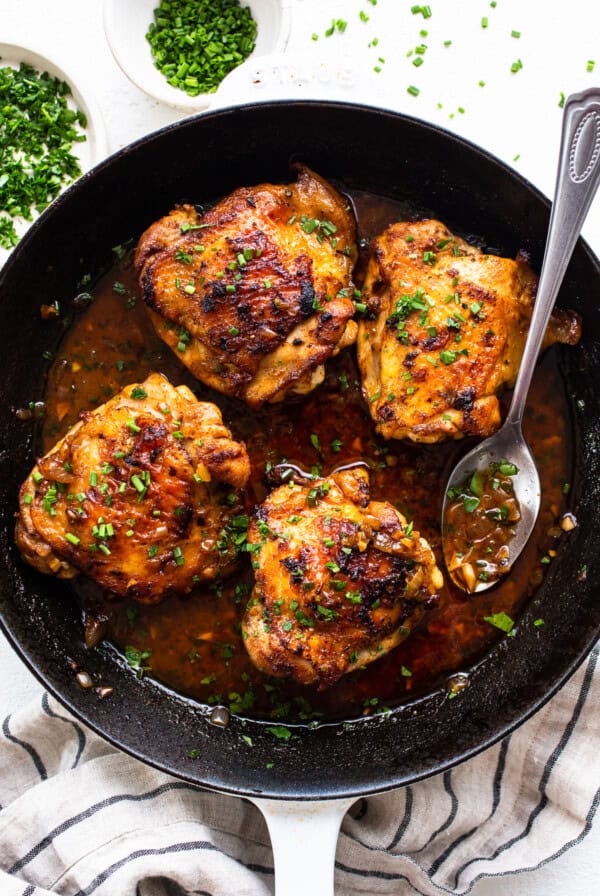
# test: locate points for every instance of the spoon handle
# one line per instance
(577, 180)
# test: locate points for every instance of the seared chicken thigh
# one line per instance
(340, 580)
(256, 294)
(446, 330)
(137, 495)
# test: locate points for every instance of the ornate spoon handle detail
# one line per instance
(576, 184)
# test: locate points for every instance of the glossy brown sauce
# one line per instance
(193, 644)
(479, 526)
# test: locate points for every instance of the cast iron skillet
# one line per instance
(203, 158)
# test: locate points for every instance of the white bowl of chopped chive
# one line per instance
(179, 51)
(50, 133)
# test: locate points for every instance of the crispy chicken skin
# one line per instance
(256, 294)
(340, 580)
(446, 330)
(136, 495)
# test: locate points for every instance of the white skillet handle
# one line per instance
(304, 838)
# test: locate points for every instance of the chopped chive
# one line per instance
(194, 45)
(314, 441)
(137, 483)
(425, 11)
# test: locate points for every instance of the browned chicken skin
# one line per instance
(137, 495)
(340, 580)
(256, 294)
(449, 327)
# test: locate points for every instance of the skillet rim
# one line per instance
(283, 792)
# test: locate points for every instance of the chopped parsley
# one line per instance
(137, 660)
(501, 621)
(139, 393)
(280, 731)
(38, 130)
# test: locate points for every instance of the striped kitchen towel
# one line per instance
(78, 818)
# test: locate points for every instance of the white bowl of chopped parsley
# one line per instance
(179, 51)
(51, 131)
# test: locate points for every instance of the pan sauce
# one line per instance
(193, 644)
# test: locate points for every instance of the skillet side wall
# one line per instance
(204, 158)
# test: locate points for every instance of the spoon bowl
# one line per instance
(508, 444)
(576, 184)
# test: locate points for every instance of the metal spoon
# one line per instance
(576, 184)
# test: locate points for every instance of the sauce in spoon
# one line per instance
(479, 522)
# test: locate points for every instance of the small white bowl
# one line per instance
(95, 146)
(126, 24)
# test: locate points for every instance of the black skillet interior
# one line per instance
(206, 157)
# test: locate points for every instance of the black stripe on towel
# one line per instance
(163, 851)
(497, 789)
(554, 756)
(35, 758)
(383, 875)
(408, 802)
(451, 814)
(29, 891)
(500, 766)
(378, 875)
(81, 740)
(87, 813)
(564, 848)
(588, 824)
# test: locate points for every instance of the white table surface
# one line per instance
(513, 115)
